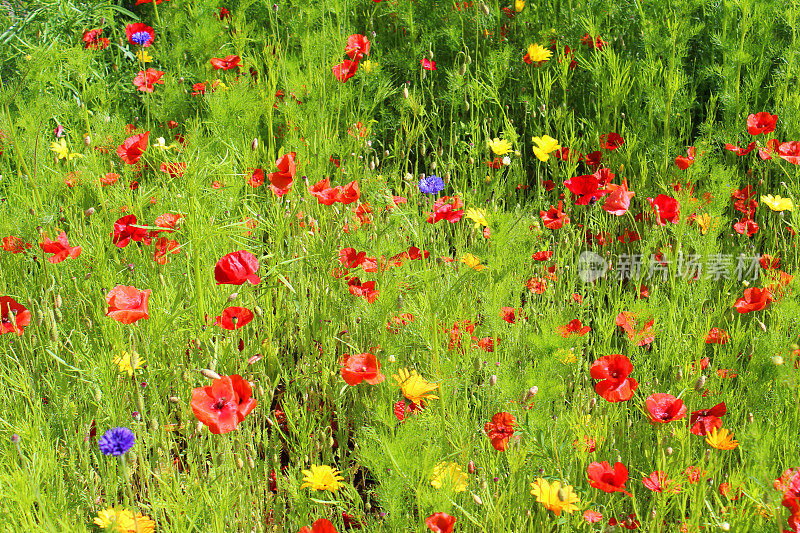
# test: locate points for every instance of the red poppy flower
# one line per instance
(663, 408)
(223, 404)
(323, 525)
(125, 230)
(324, 193)
(363, 290)
(145, 80)
(574, 327)
(234, 318)
(685, 162)
(770, 148)
(746, 226)
(619, 199)
(612, 141)
(237, 268)
(554, 218)
(509, 314)
(440, 523)
(15, 245)
(225, 63)
(361, 367)
(345, 70)
(500, 429)
(60, 248)
(593, 159)
(740, 151)
(754, 299)
(139, 33)
(607, 479)
(357, 47)
(592, 516)
(165, 246)
(586, 187)
(613, 371)
(349, 193)
(543, 255)
(350, 258)
(666, 208)
(127, 304)
(428, 64)
(627, 321)
(167, 222)
(282, 179)
(175, 170)
(790, 152)
(14, 317)
(132, 149)
(717, 336)
(762, 122)
(706, 420)
(446, 208)
(628, 523)
(109, 178)
(593, 43)
(658, 482)
(94, 41)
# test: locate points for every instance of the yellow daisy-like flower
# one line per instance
(414, 386)
(449, 475)
(706, 222)
(777, 203)
(538, 53)
(721, 439)
(368, 65)
(61, 150)
(519, 5)
(555, 497)
(499, 146)
(322, 477)
(128, 363)
(544, 145)
(162, 145)
(472, 262)
(119, 520)
(144, 56)
(478, 216)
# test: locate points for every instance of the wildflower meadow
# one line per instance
(399, 266)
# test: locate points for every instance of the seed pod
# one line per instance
(405, 92)
(463, 69)
(210, 374)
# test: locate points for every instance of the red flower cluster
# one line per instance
(357, 47)
(789, 485)
(14, 317)
(15, 245)
(93, 41)
(613, 371)
(223, 404)
(446, 208)
(327, 195)
(602, 476)
(627, 321)
(500, 429)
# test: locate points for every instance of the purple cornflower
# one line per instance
(431, 184)
(140, 37)
(116, 441)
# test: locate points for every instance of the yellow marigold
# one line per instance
(499, 146)
(538, 53)
(322, 477)
(544, 145)
(721, 439)
(472, 262)
(478, 216)
(706, 222)
(128, 363)
(519, 5)
(119, 520)
(414, 386)
(449, 475)
(143, 56)
(778, 203)
(555, 497)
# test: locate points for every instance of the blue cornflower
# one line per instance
(431, 184)
(116, 441)
(140, 37)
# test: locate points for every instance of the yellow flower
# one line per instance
(721, 440)
(61, 150)
(449, 475)
(705, 222)
(322, 477)
(368, 65)
(519, 5)
(121, 520)
(478, 216)
(776, 203)
(544, 145)
(128, 363)
(566, 355)
(472, 262)
(538, 53)
(161, 144)
(414, 386)
(555, 497)
(144, 56)
(499, 146)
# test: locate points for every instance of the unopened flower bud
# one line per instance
(462, 70)
(405, 92)
(725, 526)
(477, 499)
(233, 296)
(777, 360)
(750, 418)
(530, 393)
(254, 144)
(493, 380)
(668, 450)
(210, 374)
(471, 467)
(485, 9)
(89, 212)
(701, 381)
(174, 399)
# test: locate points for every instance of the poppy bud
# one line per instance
(98, 394)
(471, 467)
(471, 161)
(254, 144)
(493, 380)
(58, 301)
(725, 526)
(463, 69)
(89, 212)
(777, 360)
(592, 404)
(668, 450)
(258, 311)
(433, 166)
(372, 164)
(485, 9)
(199, 427)
(239, 462)
(701, 381)
(761, 325)
(174, 399)
(405, 92)
(210, 374)
(531, 393)
(154, 425)
(750, 418)
(233, 296)
(87, 139)
(477, 499)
